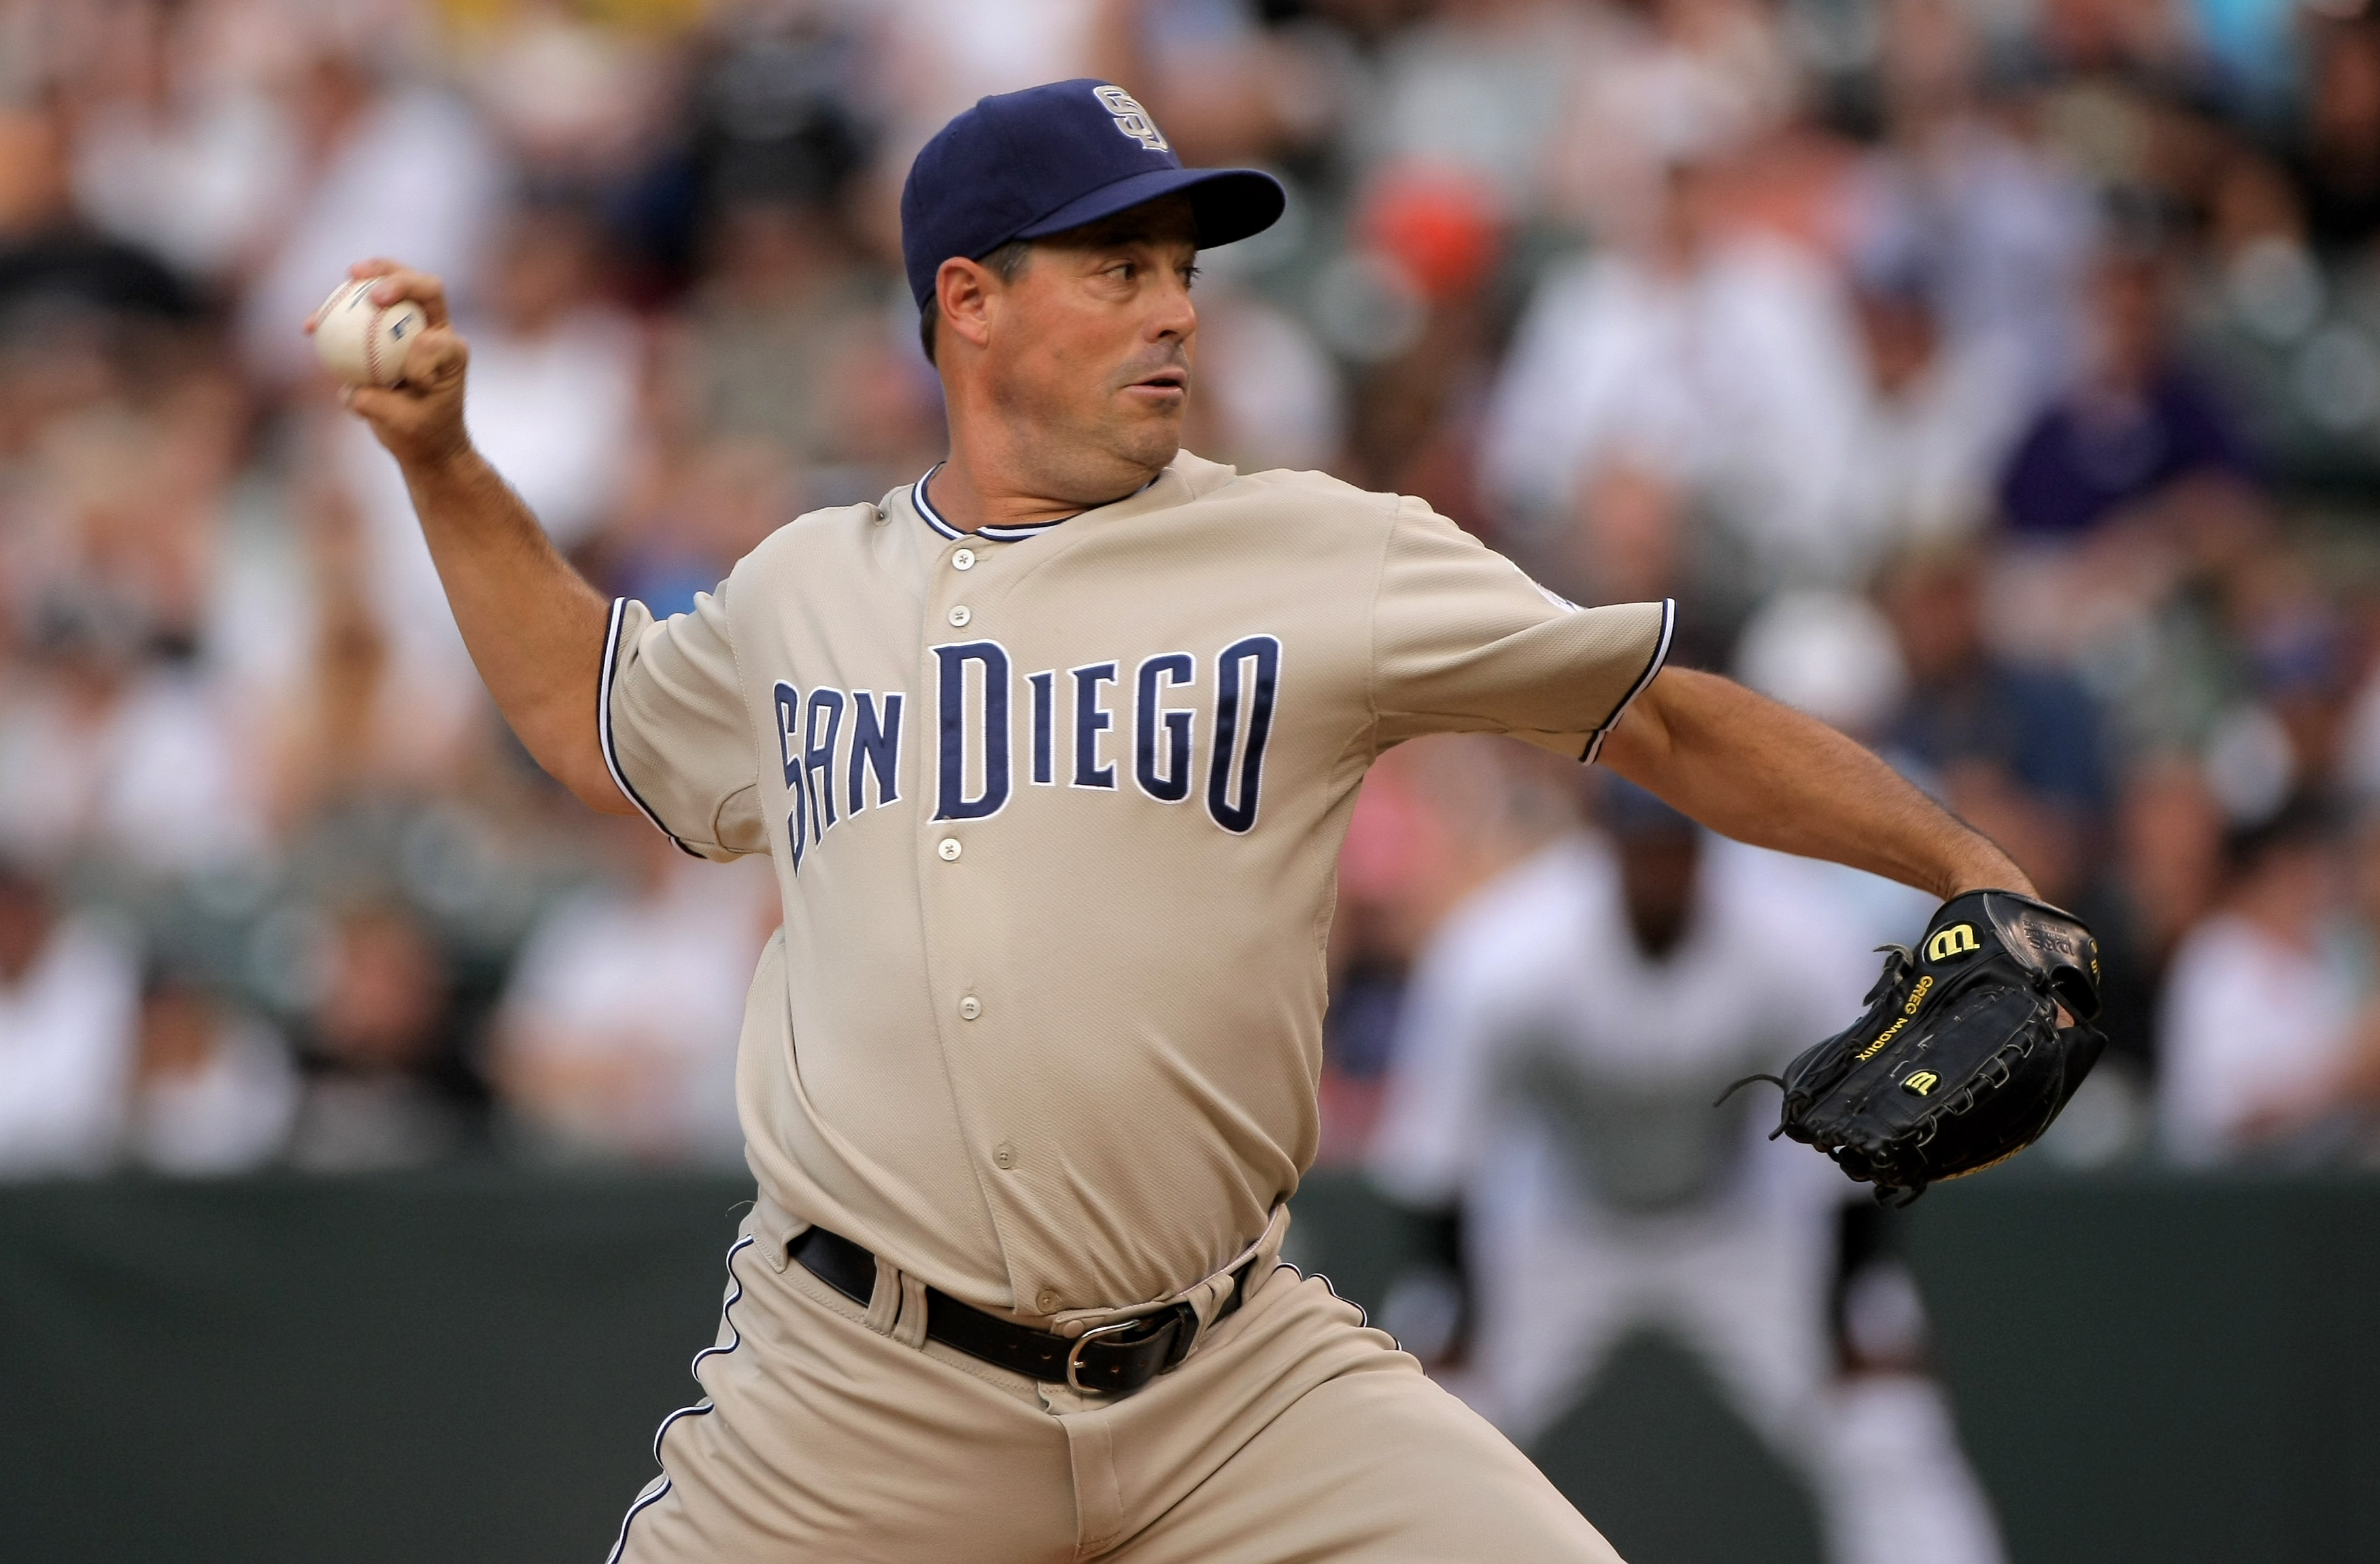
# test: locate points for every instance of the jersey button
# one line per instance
(960, 615)
(1047, 1300)
(969, 1008)
(1004, 1155)
(949, 849)
(963, 560)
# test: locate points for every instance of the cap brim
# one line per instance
(1228, 204)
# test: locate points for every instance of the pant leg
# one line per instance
(1905, 1493)
(821, 1438)
(1550, 1313)
(1748, 1297)
(1879, 1453)
(1340, 1449)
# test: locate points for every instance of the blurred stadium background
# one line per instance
(1997, 379)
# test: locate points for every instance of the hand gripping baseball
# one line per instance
(1962, 1059)
(420, 418)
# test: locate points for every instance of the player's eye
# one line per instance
(1189, 276)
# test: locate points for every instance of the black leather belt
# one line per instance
(1113, 1358)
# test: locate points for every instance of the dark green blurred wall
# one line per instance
(470, 1367)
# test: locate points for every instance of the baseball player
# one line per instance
(1563, 1035)
(1052, 750)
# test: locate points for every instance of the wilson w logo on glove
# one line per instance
(1987, 1037)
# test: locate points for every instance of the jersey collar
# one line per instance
(933, 518)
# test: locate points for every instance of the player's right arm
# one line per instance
(535, 628)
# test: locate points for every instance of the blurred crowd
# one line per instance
(1999, 379)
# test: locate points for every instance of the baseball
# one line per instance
(364, 343)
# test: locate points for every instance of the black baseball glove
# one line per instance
(1960, 1060)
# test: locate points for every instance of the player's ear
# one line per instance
(964, 289)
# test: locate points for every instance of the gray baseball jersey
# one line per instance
(1055, 811)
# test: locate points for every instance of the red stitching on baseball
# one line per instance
(372, 342)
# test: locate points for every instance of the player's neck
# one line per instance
(974, 489)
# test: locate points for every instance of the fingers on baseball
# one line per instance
(368, 402)
(399, 283)
(438, 357)
(433, 364)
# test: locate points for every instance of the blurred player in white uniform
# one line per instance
(1564, 1033)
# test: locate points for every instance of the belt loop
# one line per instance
(884, 1301)
(909, 1328)
(777, 1228)
(1207, 1300)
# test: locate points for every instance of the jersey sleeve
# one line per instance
(1465, 642)
(675, 730)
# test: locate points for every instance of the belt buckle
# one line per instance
(1075, 1354)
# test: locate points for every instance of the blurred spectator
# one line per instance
(1565, 1034)
(1941, 416)
(2015, 750)
(1475, 89)
(1268, 395)
(1834, 656)
(1651, 83)
(117, 759)
(1830, 654)
(555, 370)
(786, 300)
(376, 703)
(388, 165)
(1720, 360)
(386, 1086)
(2167, 871)
(70, 999)
(182, 144)
(2268, 1051)
(1227, 87)
(572, 99)
(2336, 160)
(710, 505)
(781, 111)
(2001, 231)
(214, 1090)
(2136, 427)
(618, 1034)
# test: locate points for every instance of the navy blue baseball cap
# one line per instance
(1024, 165)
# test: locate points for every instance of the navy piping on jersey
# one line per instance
(660, 1485)
(604, 727)
(1660, 655)
(996, 533)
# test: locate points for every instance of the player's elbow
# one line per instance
(1641, 745)
(581, 769)
(567, 748)
(600, 793)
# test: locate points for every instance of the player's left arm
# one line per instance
(1765, 774)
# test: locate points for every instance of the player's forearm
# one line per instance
(534, 626)
(1767, 774)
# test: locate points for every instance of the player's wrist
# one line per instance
(446, 460)
(1983, 867)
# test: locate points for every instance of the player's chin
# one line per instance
(1157, 400)
(1146, 442)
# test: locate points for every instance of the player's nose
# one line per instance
(1172, 317)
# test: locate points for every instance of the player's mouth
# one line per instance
(1164, 383)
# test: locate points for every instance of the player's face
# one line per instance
(1091, 350)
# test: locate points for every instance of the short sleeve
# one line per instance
(1465, 642)
(675, 730)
